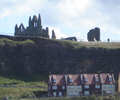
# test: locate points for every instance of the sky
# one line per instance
(66, 17)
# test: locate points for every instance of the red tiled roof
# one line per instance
(78, 79)
(105, 78)
(88, 78)
(60, 79)
(75, 79)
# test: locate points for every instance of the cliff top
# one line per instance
(13, 41)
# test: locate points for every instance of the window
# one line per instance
(70, 94)
(110, 79)
(63, 87)
(70, 80)
(79, 87)
(86, 79)
(49, 88)
(96, 79)
(86, 93)
(70, 87)
(60, 93)
(97, 86)
(86, 86)
(110, 86)
(109, 92)
(54, 80)
(54, 94)
(54, 87)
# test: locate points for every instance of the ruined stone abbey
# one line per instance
(34, 28)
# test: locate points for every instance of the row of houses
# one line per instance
(81, 84)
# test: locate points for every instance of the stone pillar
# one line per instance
(53, 35)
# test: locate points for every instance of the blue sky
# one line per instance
(66, 17)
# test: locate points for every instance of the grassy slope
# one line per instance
(20, 88)
(117, 97)
(106, 45)
(65, 43)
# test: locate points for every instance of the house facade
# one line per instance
(91, 84)
(74, 86)
(108, 84)
(57, 85)
(81, 84)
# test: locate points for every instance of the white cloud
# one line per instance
(57, 31)
(80, 37)
(5, 13)
(30, 5)
(15, 8)
(73, 8)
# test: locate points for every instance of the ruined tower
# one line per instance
(16, 28)
(53, 35)
(30, 21)
(39, 22)
(94, 34)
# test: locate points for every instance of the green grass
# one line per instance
(6, 41)
(64, 43)
(76, 98)
(10, 81)
(19, 88)
(77, 45)
(16, 92)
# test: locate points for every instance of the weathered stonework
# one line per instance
(94, 34)
(53, 34)
(34, 28)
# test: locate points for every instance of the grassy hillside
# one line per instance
(11, 87)
(14, 41)
(72, 98)
(106, 45)
(66, 43)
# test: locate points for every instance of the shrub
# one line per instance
(92, 97)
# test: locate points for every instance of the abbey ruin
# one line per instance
(34, 28)
(94, 34)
